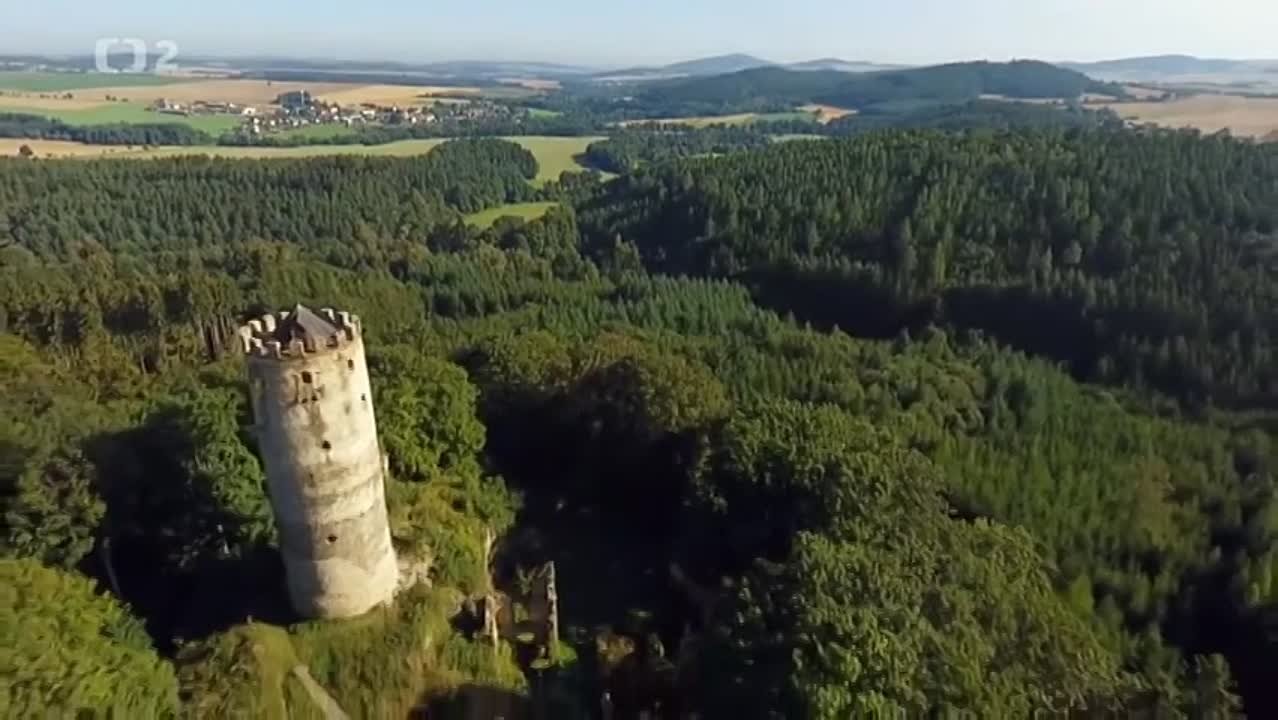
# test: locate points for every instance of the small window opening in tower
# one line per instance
(327, 445)
(307, 378)
(332, 539)
(363, 398)
(350, 364)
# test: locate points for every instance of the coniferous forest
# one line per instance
(916, 423)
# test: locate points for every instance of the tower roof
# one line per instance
(308, 326)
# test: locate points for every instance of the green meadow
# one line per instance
(131, 114)
(69, 81)
(555, 155)
(528, 211)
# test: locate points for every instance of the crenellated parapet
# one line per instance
(317, 435)
(298, 332)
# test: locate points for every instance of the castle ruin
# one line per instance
(313, 407)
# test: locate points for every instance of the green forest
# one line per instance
(771, 88)
(912, 423)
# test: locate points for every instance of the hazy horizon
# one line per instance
(912, 32)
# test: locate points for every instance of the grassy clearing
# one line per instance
(543, 113)
(528, 211)
(126, 113)
(555, 155)
(826, 113)
(69, 82)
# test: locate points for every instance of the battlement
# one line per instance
(298, 332)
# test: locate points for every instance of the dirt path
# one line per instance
(324, 701)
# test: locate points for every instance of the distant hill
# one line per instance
(848, 66)
(888, 91)
(701, 67)
(719, 65)
(1159, 65)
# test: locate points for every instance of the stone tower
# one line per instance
(313, 407)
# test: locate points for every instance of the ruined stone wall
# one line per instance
(317, 434)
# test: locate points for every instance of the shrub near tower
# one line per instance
(313, 406)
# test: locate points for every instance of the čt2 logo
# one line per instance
(107, 48)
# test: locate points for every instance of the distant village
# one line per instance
(300, 109)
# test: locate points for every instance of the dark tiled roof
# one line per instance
(303, 324)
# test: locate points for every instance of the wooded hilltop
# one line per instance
(910, 423)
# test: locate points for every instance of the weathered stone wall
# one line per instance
(318, 438)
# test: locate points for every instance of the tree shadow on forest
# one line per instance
(605, 508)
(166, 540)
(1057, 328)
(476, 702)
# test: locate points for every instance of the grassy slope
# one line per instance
(383, 664)
(528, 211)
(69, 82)
(554, 154)
(131, 113)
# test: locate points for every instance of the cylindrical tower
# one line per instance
(313, 406)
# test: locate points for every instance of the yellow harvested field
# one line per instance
(258, 93)
(9, 147)
(241, 92)
(1243, 116)
(827, 113)
(391, 94)
(45, 101)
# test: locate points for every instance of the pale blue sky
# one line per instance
(632, 31)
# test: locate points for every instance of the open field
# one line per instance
(554, 154)
(528, 211)
(88, 113)
(67, 81)
(36, 88)
(698, 122)
(14, 101)
(9, 147)
(258, 93)
(1243, 116)
(807, 113)
(827, 113)
(391, 94)
(404, 148)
